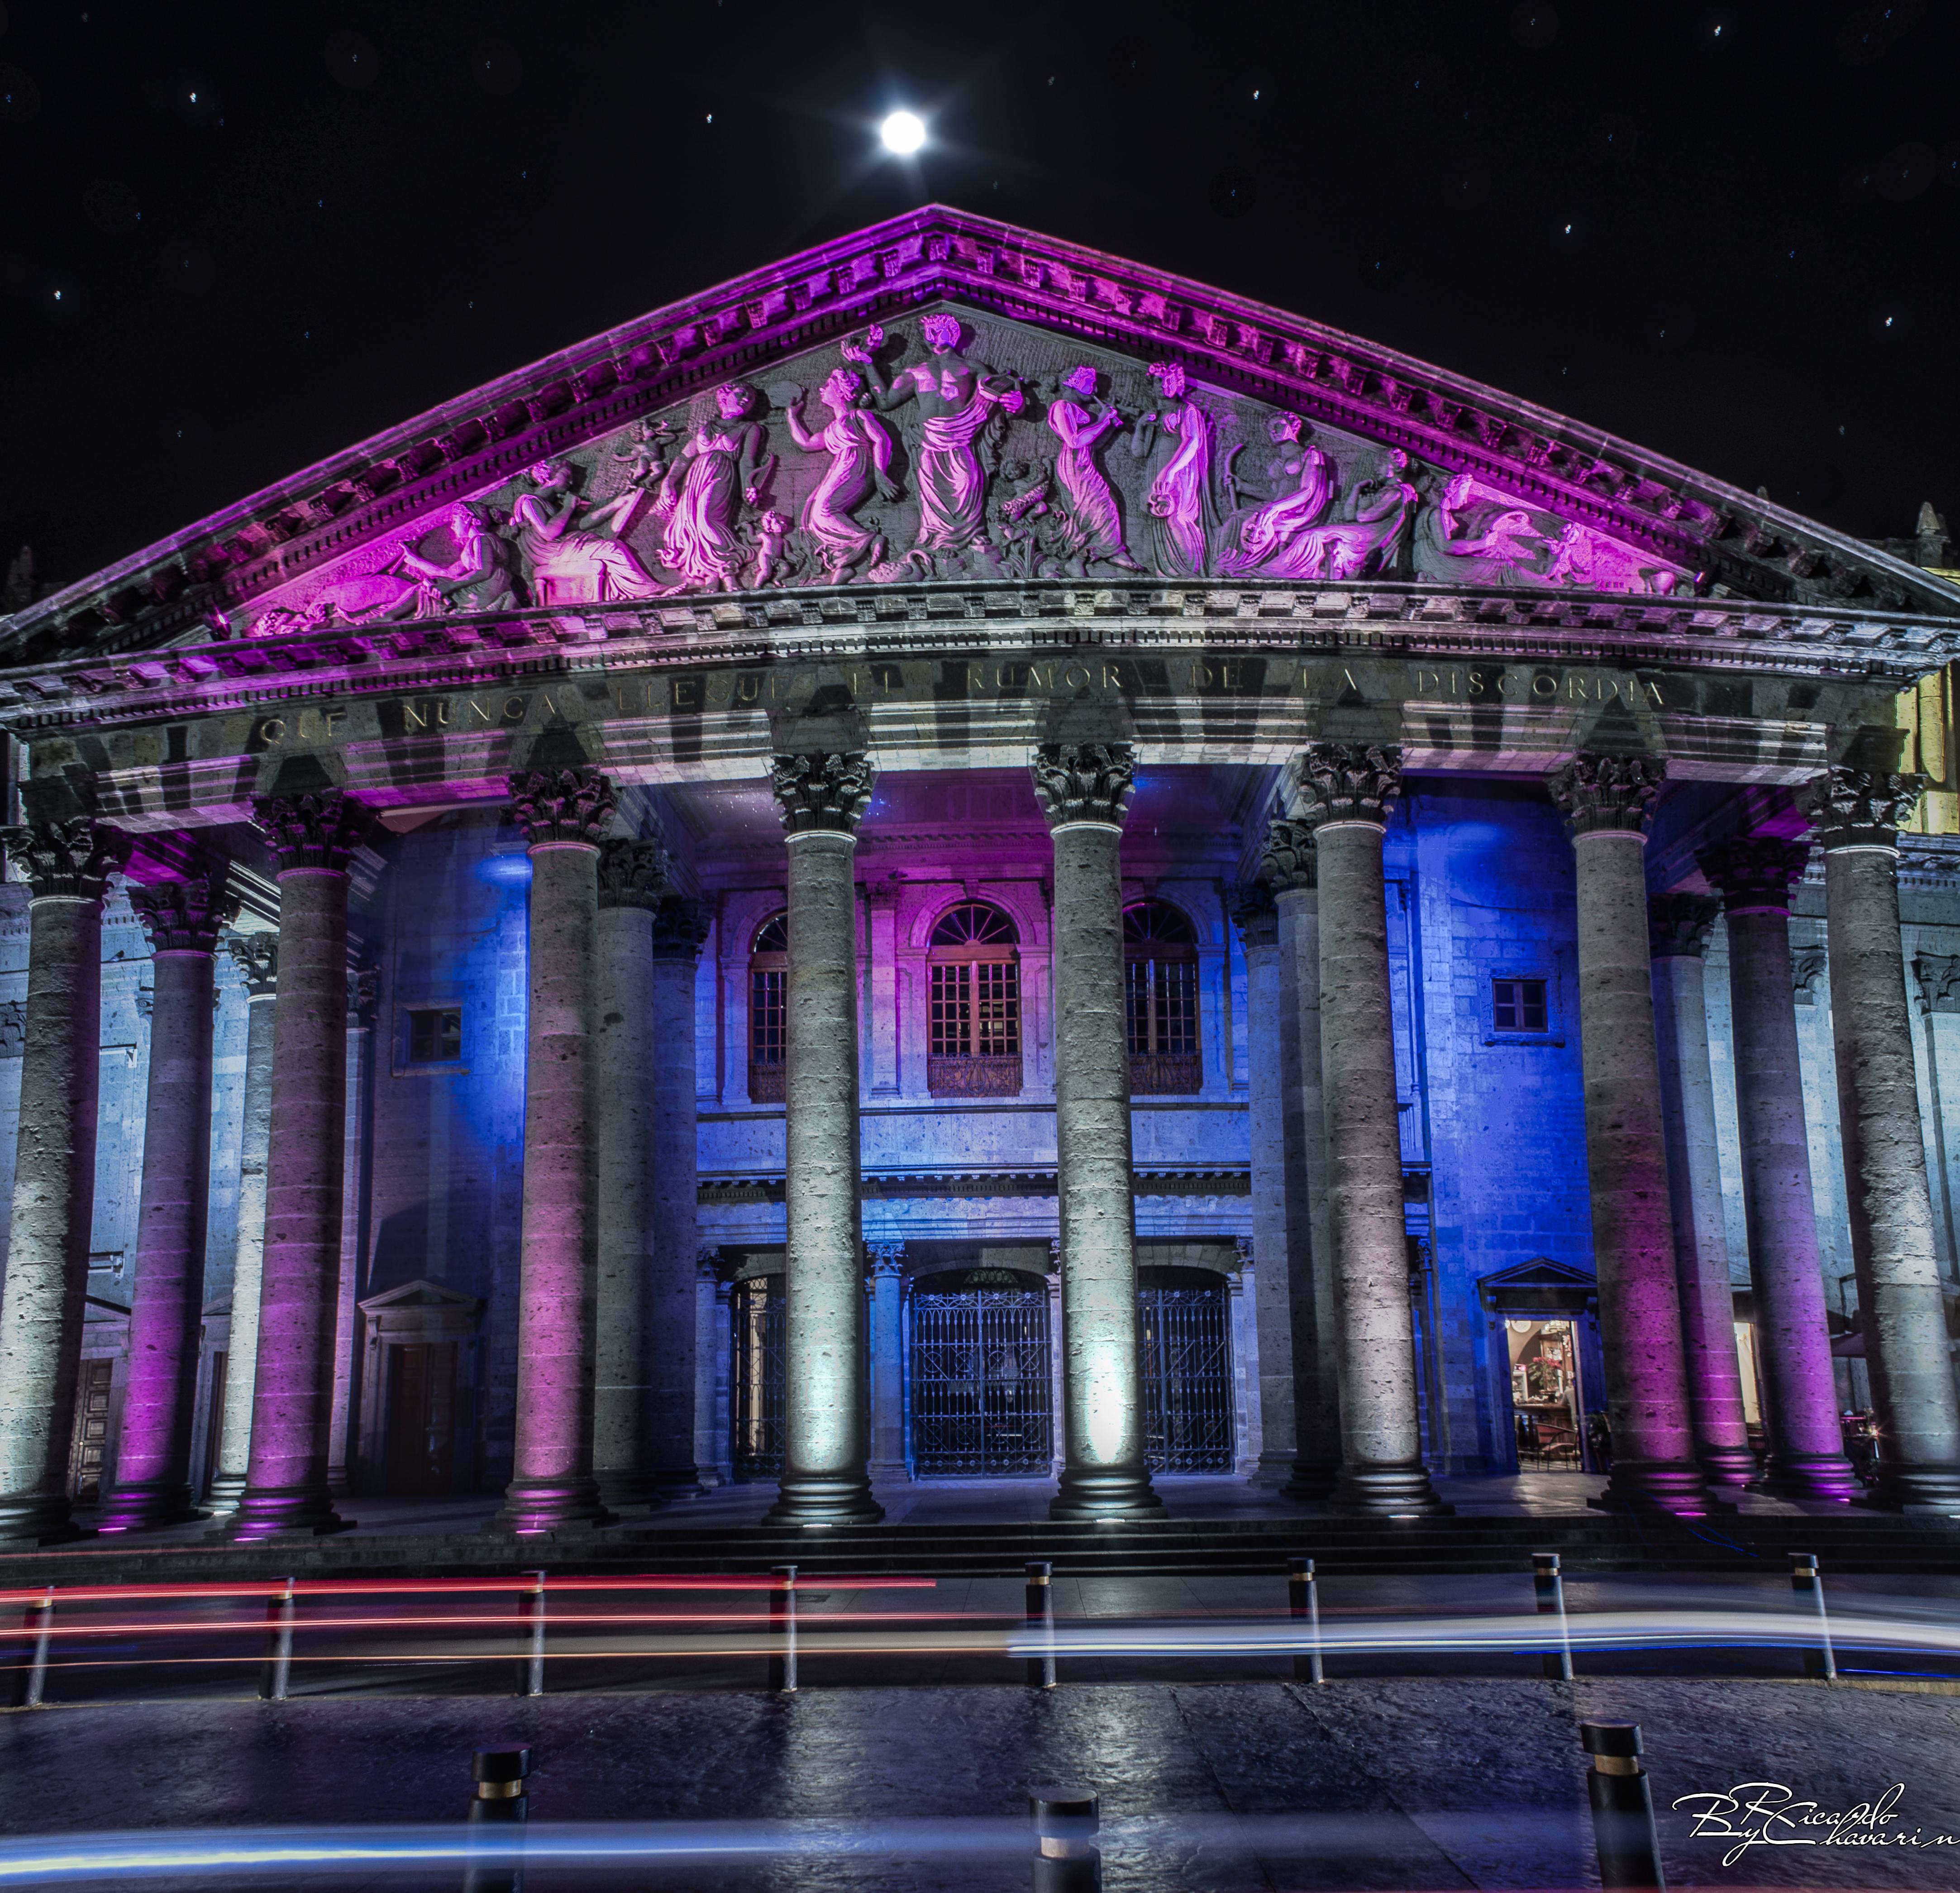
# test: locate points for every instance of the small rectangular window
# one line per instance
(1518, 1005)
(435, 1036)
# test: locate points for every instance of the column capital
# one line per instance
(1253, 913)
(258, 957)
(1608, 794)
(317, 830)
(1861, 807)
(821, 792)
(887, 1258)
(1245, 1246)
(680, 926)
(1346, 783)
(72, 858)
(1678, 924)
(633, 874)
(1084, 782)
(708, 1266)
(1754, 874)
(185, 916)
(561, 804)
(363, 994)
(1288, 862)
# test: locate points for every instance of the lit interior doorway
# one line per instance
(1547, 1404)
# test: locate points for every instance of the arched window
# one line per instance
(769, 1009)
(974, 1043)
(1160, 984)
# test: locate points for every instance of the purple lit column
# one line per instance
(311, 837)
(1806, 1456)
(825, 1480)
(1084, 790)
(1678, 926)
(152, 1485)
(562, 813)
(1858, 815)
(66, 866)
(1606, 801)
(1344, 793)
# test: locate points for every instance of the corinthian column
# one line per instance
(66, 865)
(1084, 789)
(1678, 926)
(888, 1363)
(258, 957)
(311, 837)
(1606, 801)
(153, 1459)
(1806, 1456)
(1344, 793)
(1858, 815)
(821, 798)
(563, 813)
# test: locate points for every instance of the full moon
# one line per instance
(903, 132)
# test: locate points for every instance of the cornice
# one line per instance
(1732, 538)
(946, 618)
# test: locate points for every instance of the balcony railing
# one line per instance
(1165, 1074)
(974, 1077)
(765, 1084)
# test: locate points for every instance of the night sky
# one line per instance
(233, 240)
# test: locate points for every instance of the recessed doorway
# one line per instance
(1547, 1407)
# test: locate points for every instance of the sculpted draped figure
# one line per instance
(1079, 421)
(719, 470)
(860, 458)
(479, 578)
(564, 562)
(956, 401)
(1270, 535)
(1293, 536)
(1183, 508)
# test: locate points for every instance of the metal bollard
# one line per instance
(1041, 1622)
(1067, 1859)
(531, 1636)
(1304, 1605)
(28, 1680)
(276, 1672)
(1806, 1580)
(1623, 1815)
(500, 1803)
(783, 1626)
(1550, 1586)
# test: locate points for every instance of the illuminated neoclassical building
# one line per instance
(959, 859)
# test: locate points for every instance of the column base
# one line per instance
(1731, 1466)
(1825, 1475)
(146, 1506)
(819, 1498)
(226, 1490)
(1106, 1492)
(1676, 1486)
(282, 1511)
(37, 1518)
(1314, 1481)
(890, 1472)
(1931, 1488)
(629, 1491)
(1272, 1470)
(568, 1504)
(1385, 1492)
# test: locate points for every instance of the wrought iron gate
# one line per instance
(980, 1382)
(1184, 1315)
(757, 1399)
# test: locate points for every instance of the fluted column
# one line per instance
(1290, 864)
(152, 1485)
(562, 813)
(311, 837)
(1606, 801)
(1084, 789)
(1858, 815)
(888, 1364)
(1342, 793)
(66, 865)
(1678, 926)
(821, 798)
(1806, 1456)
(258, 957)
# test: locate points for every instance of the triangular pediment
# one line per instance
(1540, 1286)
(420, 1293)
(1398, 469)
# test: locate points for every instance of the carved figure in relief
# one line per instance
(563, 564)
(956, 401)
(1272, 537)
(1182, 506)
(479, 578)
(1297, 537)
(646, 475)
(721, 470)
(774, 561)
(1080, 422)
(1035, 539)
(1489, 529)
(860, 458)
